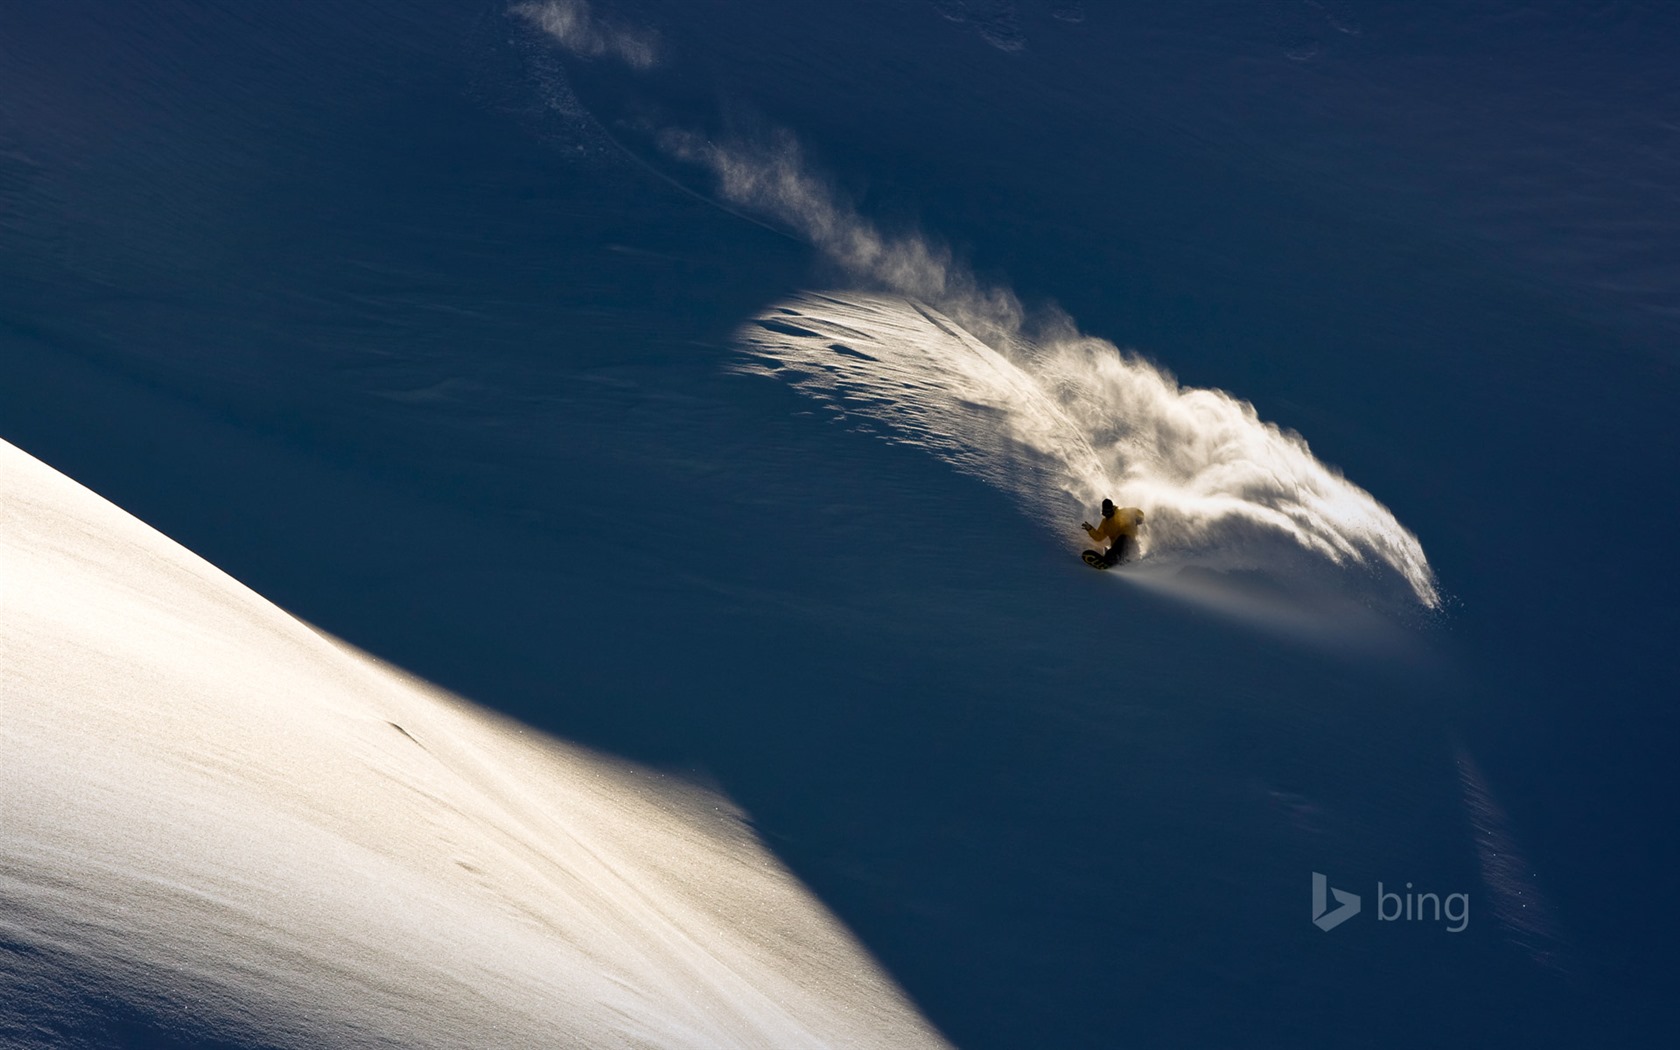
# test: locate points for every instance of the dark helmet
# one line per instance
(1108, 507)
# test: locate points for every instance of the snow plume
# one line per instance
(586, 35)
(1056, 418)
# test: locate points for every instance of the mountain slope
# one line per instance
(219, 820)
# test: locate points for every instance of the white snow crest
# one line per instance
(235, 827)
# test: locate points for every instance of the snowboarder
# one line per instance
(1119, 525)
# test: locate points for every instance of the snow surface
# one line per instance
(235, 823)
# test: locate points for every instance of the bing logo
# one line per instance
(1391, 907)
(1347, 904)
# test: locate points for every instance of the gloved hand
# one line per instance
(1085, 525)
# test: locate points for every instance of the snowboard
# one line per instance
(1095, 560)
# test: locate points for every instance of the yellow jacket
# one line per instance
(1123, 522)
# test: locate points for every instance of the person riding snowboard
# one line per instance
(1119, 524)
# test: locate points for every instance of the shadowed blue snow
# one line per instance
(446, 325)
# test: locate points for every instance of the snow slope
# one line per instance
(231, 823)
(418, 319)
